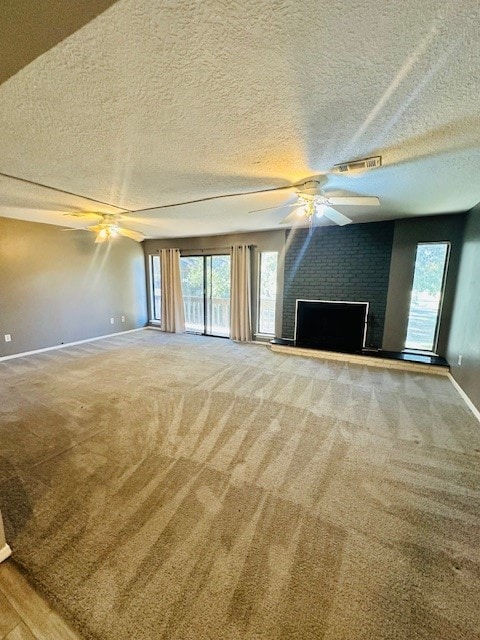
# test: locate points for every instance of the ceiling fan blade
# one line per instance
(365, 201)
(294, 217)
(336, 216)
(134, 235)
(290, 219)
(80, 214)
(267, 209)
(280, 206)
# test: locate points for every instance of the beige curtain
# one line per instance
(173, 314)
(240, 295)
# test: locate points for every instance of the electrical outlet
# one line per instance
(112, 320)
(460, 361)
(8, 337)
(123, 318)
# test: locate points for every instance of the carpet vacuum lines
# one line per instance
(211, 490)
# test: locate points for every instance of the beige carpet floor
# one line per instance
(181, 487)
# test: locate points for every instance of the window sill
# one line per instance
(263, 337)
(420, 352)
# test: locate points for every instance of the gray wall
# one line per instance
(408, 233)
(464, 336)
(260, 241)
(58, 287)
(339, 263)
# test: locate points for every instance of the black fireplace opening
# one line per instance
(331, 325)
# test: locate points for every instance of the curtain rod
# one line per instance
(227, 246)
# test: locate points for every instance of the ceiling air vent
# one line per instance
(358, 165)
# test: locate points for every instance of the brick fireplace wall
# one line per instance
(339, 263)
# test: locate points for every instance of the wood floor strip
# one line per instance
(9, 618)
(30, 607)
(21, 632)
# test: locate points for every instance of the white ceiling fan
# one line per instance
(313, 203)
(109, 226)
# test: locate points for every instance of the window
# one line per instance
(427, 293)
(267, 292)
(156, 283)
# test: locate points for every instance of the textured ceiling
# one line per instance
(159, 102)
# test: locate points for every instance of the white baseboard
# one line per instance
(5, 552)
(464, 396)
(68, 344)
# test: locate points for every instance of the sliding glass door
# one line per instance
(217, 294)
(191, 269)
(206, 294)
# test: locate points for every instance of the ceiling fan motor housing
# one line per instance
(312, 187)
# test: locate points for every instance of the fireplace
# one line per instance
(331, 325)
